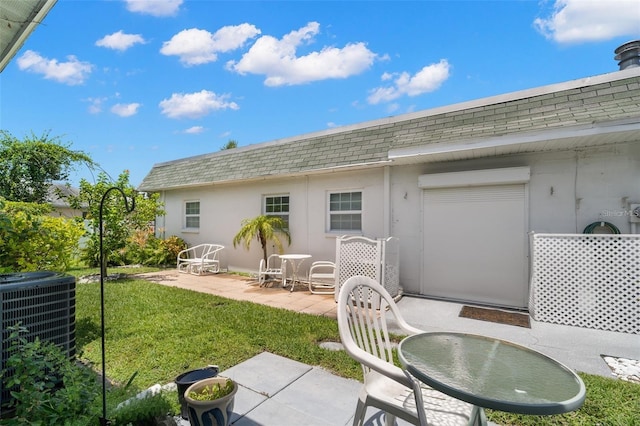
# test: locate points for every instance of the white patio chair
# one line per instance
(363, 305)
(200, 259)
(322, 277)
(274, 268)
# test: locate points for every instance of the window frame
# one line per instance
(284, 215)
(187, 215)
(331, 213)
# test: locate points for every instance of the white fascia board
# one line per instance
(597, 129)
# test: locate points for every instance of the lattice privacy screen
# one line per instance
(590, 281)
(378, 259)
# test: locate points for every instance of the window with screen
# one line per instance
(345, 211)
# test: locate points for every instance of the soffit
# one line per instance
(18, 19)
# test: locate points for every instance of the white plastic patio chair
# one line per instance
(200, 259)
(363, 306)
(273, 269)
(322, 277)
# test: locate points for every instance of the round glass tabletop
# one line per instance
(492, 373)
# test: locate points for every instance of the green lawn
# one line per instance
(160, 332)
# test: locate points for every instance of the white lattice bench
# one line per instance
(200, 259)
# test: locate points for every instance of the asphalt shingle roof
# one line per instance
(614, 96)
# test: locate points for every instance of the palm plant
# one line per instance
(264, 228)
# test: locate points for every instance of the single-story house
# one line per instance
(461, 186)
(57, 197)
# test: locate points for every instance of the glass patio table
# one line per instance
(492, 373)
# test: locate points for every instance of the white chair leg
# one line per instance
(389, 419)
(361, 410)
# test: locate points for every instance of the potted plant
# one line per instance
(210, 401)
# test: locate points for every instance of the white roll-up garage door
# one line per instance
(475, 244)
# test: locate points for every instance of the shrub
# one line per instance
(32, 240)
(48, 388)
(143, 411)
(119, 225)
(174, 245)
(146, 249)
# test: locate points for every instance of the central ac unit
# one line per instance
(44, 303)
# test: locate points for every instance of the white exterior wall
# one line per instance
(223, 207)
(567, 191)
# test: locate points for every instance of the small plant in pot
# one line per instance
(210, 401)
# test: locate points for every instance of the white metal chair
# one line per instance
(363, 305)
(322, 277)
(273, 268)
(200, 259)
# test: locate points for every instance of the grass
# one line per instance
(160, 332)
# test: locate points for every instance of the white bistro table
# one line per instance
(295, 260)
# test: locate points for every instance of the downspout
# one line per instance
(161, 224)
(386, 208)
(306, 210)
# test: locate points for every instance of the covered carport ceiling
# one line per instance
(18, 19)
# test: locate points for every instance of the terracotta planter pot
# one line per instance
(215, 412)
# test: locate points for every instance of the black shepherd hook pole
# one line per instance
(103, 273)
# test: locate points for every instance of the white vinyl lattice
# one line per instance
(586, 280)
(378, 259)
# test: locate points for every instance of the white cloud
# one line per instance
(157, 8)
(95, 105)
(125, 110)
(195, 46)
(574, 21)
(73, 72)
(232, 37)
(120, 41)
(194, 130)
(426, 80)
(195, 105)
(393, 107)
(277, 60)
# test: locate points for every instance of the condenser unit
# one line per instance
(45, 303)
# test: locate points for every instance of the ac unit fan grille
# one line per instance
(45, 305)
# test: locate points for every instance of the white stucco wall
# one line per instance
(223, 207)
(567, 191)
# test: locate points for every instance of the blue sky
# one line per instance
(137, 82)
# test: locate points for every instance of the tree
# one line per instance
(118, 225)
(32, 240)
(230, 145)
(264, 228)
(29, 167)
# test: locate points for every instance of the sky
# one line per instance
(133, 83)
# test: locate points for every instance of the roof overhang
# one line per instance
(18, 19)
(561, 139)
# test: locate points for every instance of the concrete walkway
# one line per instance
(277, 390)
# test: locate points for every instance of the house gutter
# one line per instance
(593, 130)
(326, 170)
